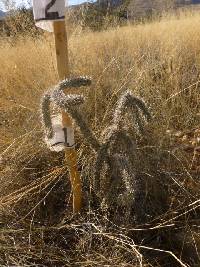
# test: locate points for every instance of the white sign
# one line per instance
(62, 137)
(69, 137)
(47, 11)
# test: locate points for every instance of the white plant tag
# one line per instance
(47, 11)
(63, 137)
(57, 143)
(69, 136)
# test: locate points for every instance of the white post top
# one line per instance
(47, 11)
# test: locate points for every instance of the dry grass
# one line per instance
(159, 62)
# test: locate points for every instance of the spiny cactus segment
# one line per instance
(66, 101)
(127, 103)
(74, 82)
(60, 99)
(84, 128)
(46, 115)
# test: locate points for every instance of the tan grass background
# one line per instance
(159, 62)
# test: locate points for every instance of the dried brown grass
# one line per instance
(159, 62)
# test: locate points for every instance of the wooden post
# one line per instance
(63, 72)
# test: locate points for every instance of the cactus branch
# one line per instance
(84, 128)
(57, 96)
(46, 116)
(130, 102)
(74, 82)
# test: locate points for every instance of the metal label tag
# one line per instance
(63, 137)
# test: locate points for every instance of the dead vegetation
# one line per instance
(158, 62)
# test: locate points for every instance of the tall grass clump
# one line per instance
(19, 22)
(160, 63)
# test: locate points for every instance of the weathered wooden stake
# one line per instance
(63, 72)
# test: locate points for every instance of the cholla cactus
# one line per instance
(116, 149)
(118, 152)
